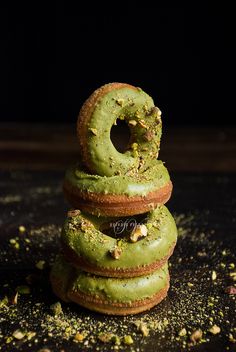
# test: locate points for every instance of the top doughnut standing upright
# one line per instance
(97, 116)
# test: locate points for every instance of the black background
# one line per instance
(53, 57)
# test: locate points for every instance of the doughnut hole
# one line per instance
(122, 227)
(120, 135)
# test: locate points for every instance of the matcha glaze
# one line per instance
(111, 289)
(154, 176)
(135, 107)
(81, 233)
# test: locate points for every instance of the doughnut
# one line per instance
(119, 195)
(102, 110)
(117, 296)
(146, 248)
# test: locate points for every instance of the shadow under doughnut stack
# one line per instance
(117, 239)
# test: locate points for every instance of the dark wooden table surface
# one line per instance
(53, 147)
(202, 166)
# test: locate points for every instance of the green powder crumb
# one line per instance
(214, 330)
(40, 264)
(56, 309)
(196, 336)
(21, 229)
(142, 327)
(128, 340)
(213, 275)
(182, 332)
(79, 337)
(231, 338)
(19, 334)
(4, 302)
(105, 337)
(116, 340)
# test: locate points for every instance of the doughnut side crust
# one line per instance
(115, 205)
(101, 306)
(118, 195)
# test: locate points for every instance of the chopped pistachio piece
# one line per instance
(79, 337)
(56, 309)
(196, 336)
(182, 332)
(214, 329)
(72, 213)
(213, 275)
(94, 131)
(105, 337)
(30, 335)
(15, 298)
(128, 340)
(4, 302)
(144, 329)
(231, 338)
(138, 232)
(120, 102)
(40, 264)
(116, 252)
(134, 146)
(116, 340)
(21, 229)
(132, 122)
(142, 124)
(149, 135)
(18, 334)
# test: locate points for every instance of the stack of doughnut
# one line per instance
(118, 237)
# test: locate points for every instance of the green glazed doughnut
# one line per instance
(109, 295)
(97, 116)
(146, 249)
(123, 195)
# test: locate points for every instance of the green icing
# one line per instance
(81, 233)
(122, 290)
(113, 289)
(137, 109)
(150, 178)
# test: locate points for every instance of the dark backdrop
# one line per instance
(53, 57)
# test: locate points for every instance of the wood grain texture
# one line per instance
(55, 147)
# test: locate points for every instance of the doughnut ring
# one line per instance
(117, 296)
(130, 194)
(145, 249)
(101, 111)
